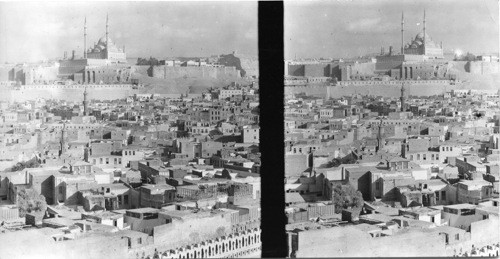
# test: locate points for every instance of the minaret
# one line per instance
(85, 103)
(107, 36)
(402, 98)
(85, 38)
(62, 149)
(402, 33)
(379, 135)
(425, 42)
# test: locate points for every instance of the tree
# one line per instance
(32, 163)
(346, 197)
(28, 200)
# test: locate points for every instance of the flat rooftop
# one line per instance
(461, 206)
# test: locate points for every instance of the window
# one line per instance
(443, 195)
(437, 196)
(125, 199)
(107, 160)
(457, 236)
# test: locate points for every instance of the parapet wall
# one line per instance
(233, 245)
(188, 231)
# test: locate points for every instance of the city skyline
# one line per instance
(49, 29)
(355, 28)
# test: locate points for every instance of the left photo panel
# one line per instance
(129, 130)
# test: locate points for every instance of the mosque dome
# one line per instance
(420, 37)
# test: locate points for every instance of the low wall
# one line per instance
(233, 245)
(72, 94)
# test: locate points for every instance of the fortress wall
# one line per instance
(296, 70)
(5, 73)
(483, 68)
(459, 66)
(40, 74)
(363, 69)
(317, 70)
(251, 66)
(166, 72)
(100, 93)
(386, 90)
(142, 70)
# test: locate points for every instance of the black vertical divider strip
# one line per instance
(271, 85)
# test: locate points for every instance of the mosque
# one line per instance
(104, 63)
(422, 44)
(104, 49)
(421, 59)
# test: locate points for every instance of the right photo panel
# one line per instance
(392, 128)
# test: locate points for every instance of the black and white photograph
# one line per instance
(392, 128)
(129, 130)
(249, 129)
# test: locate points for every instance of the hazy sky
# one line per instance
(32, 31)
(345, 28)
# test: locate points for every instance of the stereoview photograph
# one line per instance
(392, 128)
(129, 130)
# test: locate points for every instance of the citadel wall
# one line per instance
(69, 93)
(165, 72)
